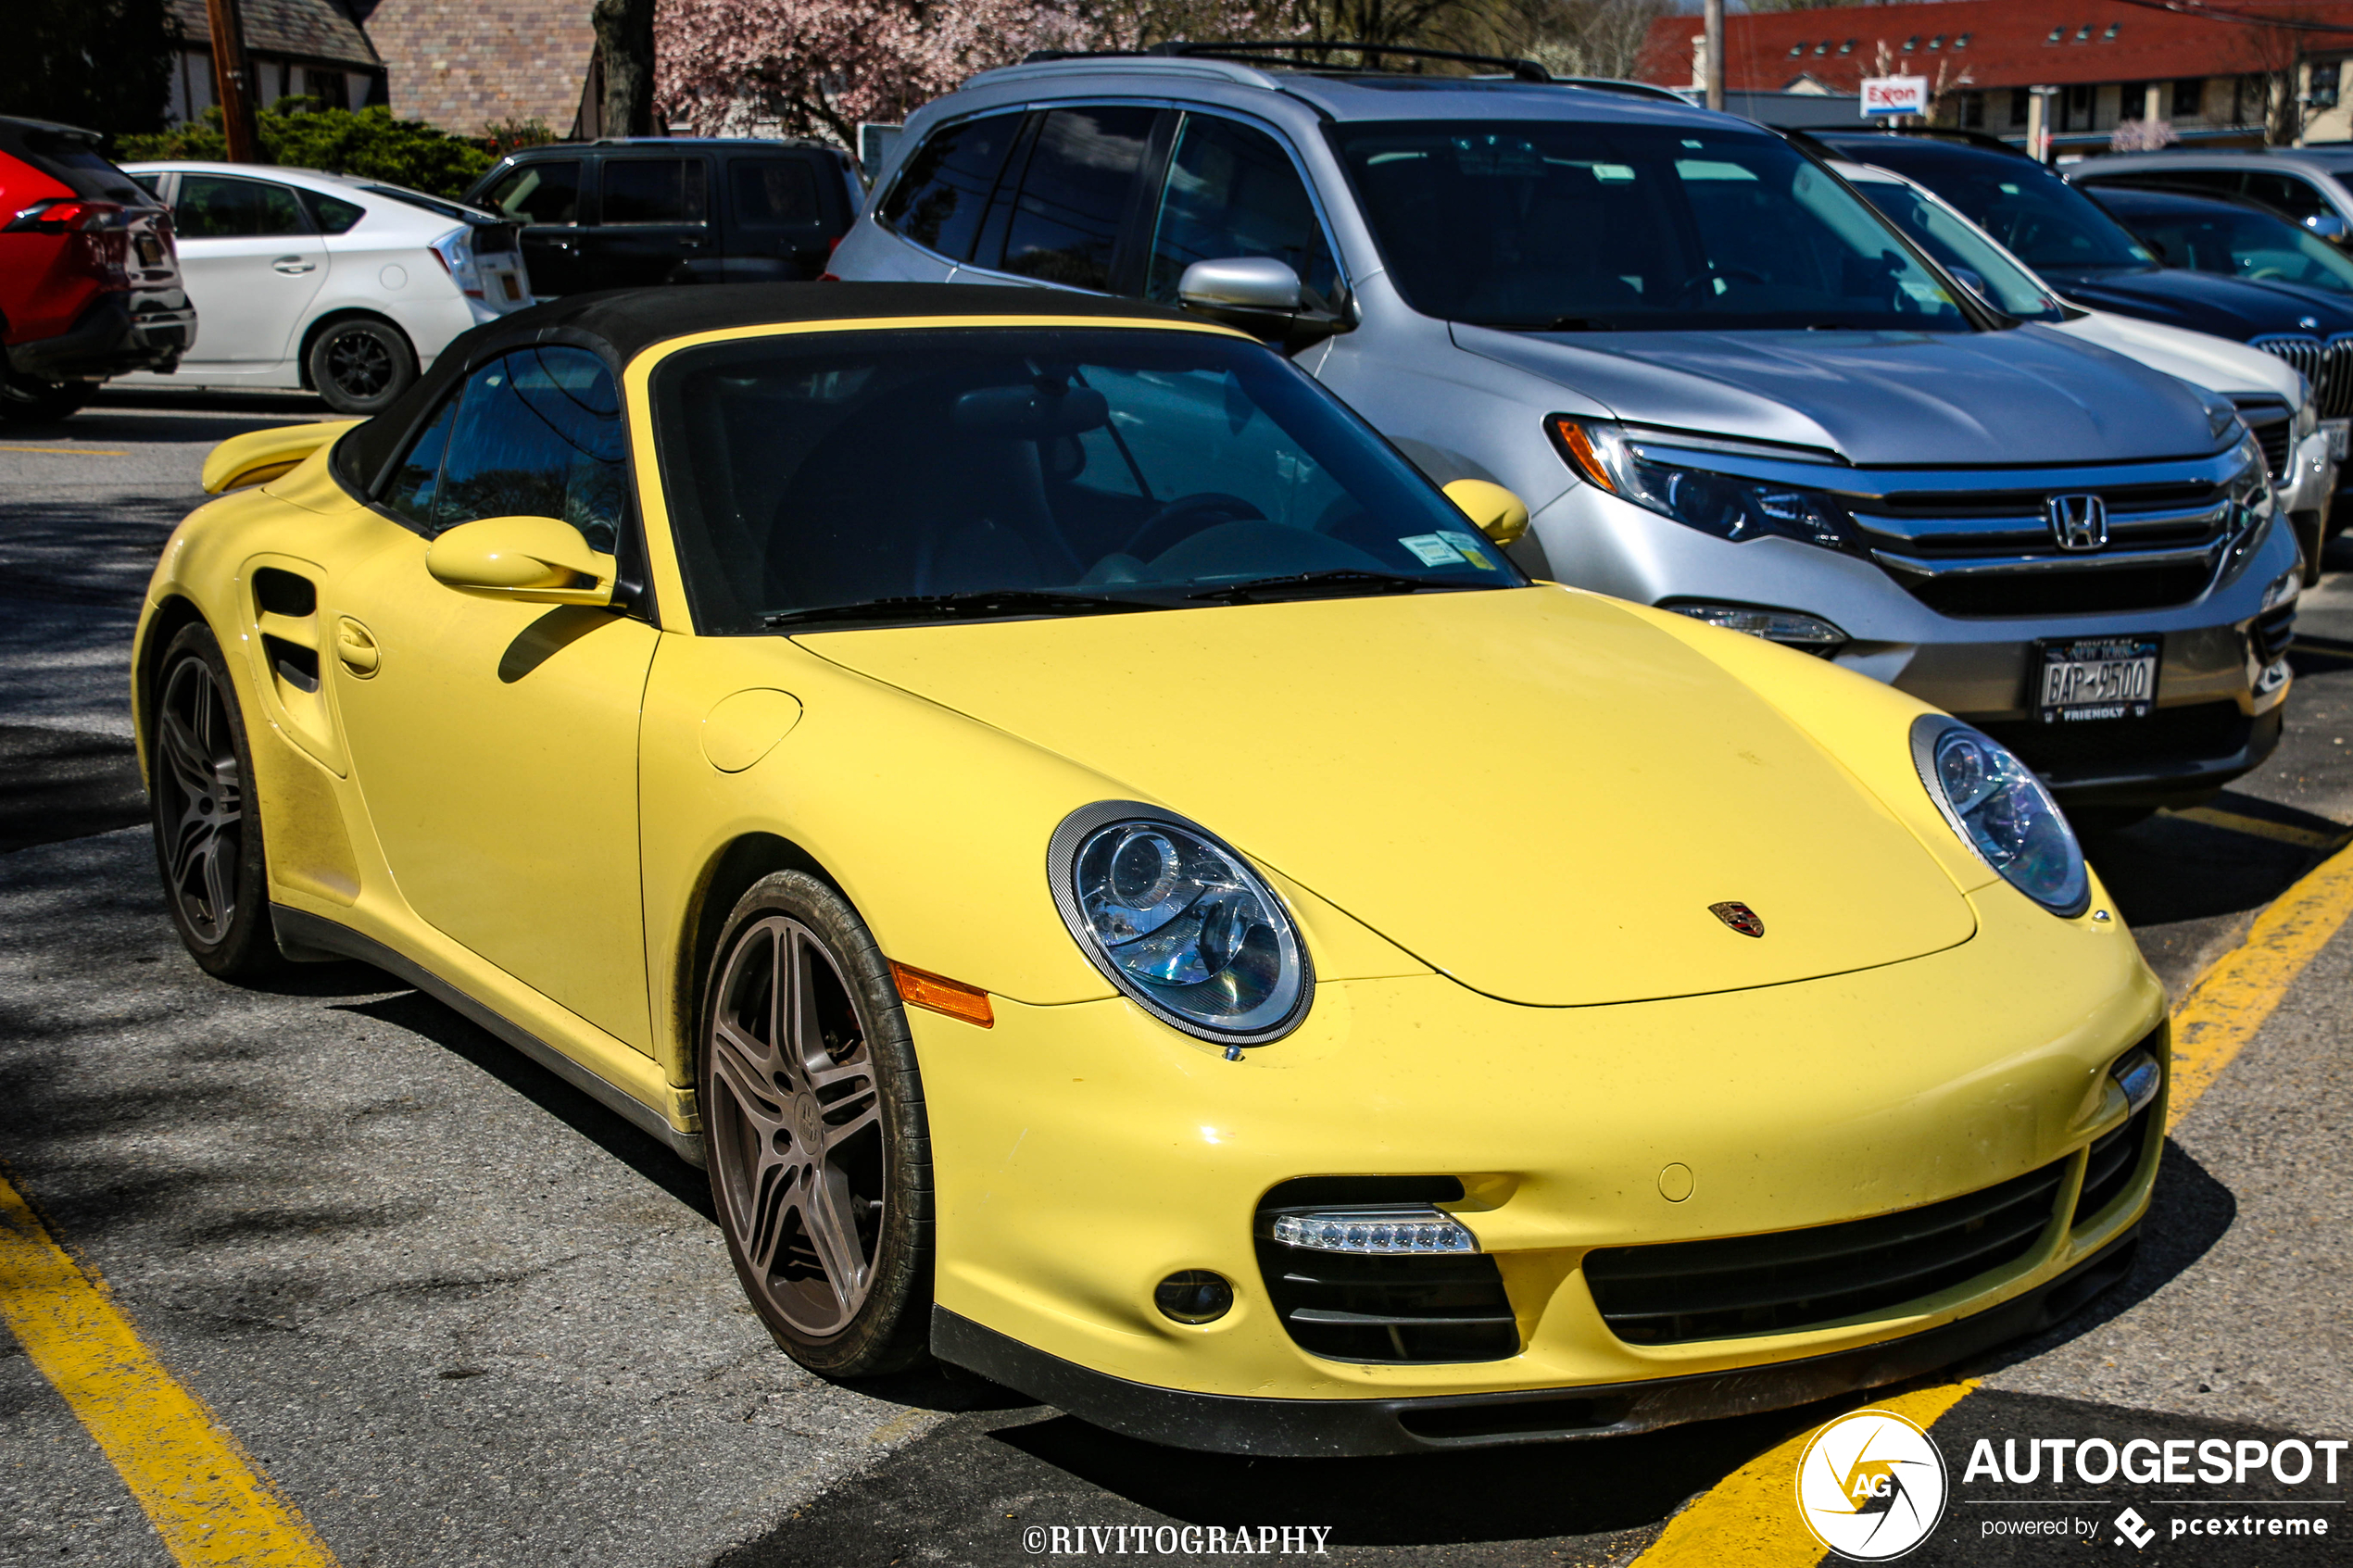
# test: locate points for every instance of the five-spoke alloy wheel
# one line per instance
(360, 365)
(207, 833)
(814, 1132)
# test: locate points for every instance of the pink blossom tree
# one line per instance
(819, 66)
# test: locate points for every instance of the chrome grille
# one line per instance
(2274, 428)
(2328, 366)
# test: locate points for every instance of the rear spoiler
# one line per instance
(260, 456)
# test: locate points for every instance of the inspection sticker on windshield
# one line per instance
(1468, 548)
(2084, 678)
(1433, 550)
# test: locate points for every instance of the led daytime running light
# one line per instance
(1386, 1232)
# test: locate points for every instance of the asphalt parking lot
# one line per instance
(457, 1313)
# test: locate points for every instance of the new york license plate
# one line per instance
(2093, 678)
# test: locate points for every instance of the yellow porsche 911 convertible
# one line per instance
(1129, 890)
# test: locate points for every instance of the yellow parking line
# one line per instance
(2306, 838)
(209, 1502)
(70, 451)
(1749, 1519)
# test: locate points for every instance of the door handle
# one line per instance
(294, 264)
(356, 647)
(686, 242)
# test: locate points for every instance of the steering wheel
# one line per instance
(1185, 517)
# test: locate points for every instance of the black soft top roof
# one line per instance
(622, 323)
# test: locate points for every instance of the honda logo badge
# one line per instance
(2078, 523)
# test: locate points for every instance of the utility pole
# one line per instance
(1712, 35)
(233, 79)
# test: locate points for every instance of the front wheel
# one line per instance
(814, 1132)
(208, 830)
(38, 402)
(360, 365)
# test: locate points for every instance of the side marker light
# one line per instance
(937, 993)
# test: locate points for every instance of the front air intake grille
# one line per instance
(1349, 1307)
(2273, 633)
(2115, 1156)
(2064, 593)
(1789, 1280)
(2273, 434)
(2195, 731)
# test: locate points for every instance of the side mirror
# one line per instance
(1259, 294)
(1500, 515)
(531, 560)
(2330, 227)
(1970, 281)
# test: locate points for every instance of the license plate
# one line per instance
(2340, 435)
(2093, 678)
(514, 289)
(150, 251)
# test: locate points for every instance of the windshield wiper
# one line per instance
(1307, 584)
(976, 605)
(1555, 324)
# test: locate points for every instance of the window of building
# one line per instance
(1936, 42)
(1962, 42)
(1911, 44)
(2131, 100)
(2189, 99)
(1972, 111)
(2326, 78)
(1847, 47)
(2020, 100)
(2075, 113)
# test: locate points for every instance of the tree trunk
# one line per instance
(626, 42)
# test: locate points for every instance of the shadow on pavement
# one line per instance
(56, 785)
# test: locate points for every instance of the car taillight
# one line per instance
(458, 260)
(65, 214)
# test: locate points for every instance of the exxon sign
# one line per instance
(1886, 96)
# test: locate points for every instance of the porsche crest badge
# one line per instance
(1740, 917)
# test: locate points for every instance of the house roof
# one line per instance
(302, 30)
(2000, 43)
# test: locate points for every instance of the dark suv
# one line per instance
(627, 213)
(89, 281)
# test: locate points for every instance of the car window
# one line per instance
(2030, 212)
(1957, 243)
(214, 206)
(333, 214)
(1233, 191)
(654, 190)
(1075, 194)
(938, 201)
(835, 472)
(2240, 242)
(539, 192)
(1567, 226)
(2298, 198)
(535, 433)
(775, 193)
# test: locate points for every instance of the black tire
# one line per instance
(360, 365)
(38, 402)
(819, 1155)
(207, 826)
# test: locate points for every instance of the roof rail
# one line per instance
(1245, 52)
(1619, 84)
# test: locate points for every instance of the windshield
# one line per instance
(996, 471)
(1958, 244)
(2033, 214)
(1566, 226)
(2240, 243)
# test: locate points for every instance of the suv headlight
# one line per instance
(1606, 455)
(1180, 922)
(2002, 811)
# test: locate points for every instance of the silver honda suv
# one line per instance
(1721, 382)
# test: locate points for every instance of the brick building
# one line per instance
(2270, 69)
(462, 65)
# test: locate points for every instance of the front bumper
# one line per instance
(1352, 1428)
(2220, 698)
(1083, 1153)
(117, 334)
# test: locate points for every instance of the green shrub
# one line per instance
(296, 133)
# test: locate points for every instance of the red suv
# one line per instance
(89, 280)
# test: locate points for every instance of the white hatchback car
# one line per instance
(339, 283)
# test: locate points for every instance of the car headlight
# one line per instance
(1610, 458)
(1180, 922)
(2002, 811)
(2252, 502)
